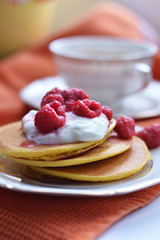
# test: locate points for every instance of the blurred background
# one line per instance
(40, 19)
(70, 10)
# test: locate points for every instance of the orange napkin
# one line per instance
(35, 217)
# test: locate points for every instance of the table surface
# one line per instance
(140, 224)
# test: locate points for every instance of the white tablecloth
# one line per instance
(142, 224)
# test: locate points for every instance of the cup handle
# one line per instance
(145, 71)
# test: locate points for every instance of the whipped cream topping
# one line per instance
(76, 129)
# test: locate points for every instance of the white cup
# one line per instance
(107, 69)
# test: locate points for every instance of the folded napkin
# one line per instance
(33, 217)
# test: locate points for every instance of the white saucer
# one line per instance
(33, 93)
(141, 105)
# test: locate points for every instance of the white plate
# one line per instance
(12, 178)
(141, 105)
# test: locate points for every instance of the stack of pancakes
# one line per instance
(107, 159)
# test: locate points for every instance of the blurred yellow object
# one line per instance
(24, 25)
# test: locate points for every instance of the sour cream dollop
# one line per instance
(76, 129)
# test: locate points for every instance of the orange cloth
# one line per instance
(35, 217)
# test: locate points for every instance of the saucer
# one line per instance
(33, 93)
(144, 104)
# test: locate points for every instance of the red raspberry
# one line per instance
(54, 94)
(74, 94)
(55, 90)
(50, 117)
(108, 112)
(125, 127)
(69, 105)
(58, 108)
(51, 98)
(69, 95)
(87, 108)
(150, 135)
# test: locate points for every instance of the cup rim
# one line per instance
(150, 49)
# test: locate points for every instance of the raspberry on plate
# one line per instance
(108, 112)
(50, 117)
(150, 135)
(87, 108)
(125, 127)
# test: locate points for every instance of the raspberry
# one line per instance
(50, 117)
(58, 108)
(51, 98)
(55, 90)
(69, 105)
(87, 108)
(150, 135)
(66, 97)
(108, 112)
(71, 95)
(74, 94)
(125, 127)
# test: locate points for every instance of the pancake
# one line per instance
(111, 147)
(13, 143)
(114, 168)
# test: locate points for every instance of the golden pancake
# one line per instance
(111, 147)
(13, 140)
(114, 168)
